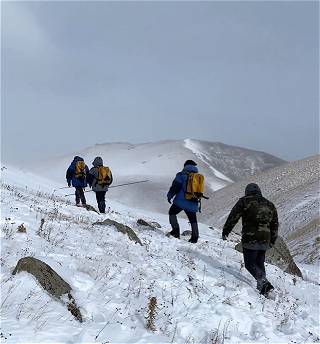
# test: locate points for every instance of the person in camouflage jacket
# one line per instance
(259, 230)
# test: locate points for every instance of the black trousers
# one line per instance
(79, 193)
(254, 263)
(101, 200)
(191, 215)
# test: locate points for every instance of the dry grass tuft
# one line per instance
(22, 228)
(151, 313)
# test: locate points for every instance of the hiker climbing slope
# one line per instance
(100, 178)
(259, 230)
(76, 175)
(184, 201)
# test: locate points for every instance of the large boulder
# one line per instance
(50, 281)
(280, 256)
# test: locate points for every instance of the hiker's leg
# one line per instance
(250, 262)
(77, 193)
(260, 260)
(82, 197)
(192, 217)
(97, 197)
(100, 196)
(103, 201)
(173, 220)
(263, 285)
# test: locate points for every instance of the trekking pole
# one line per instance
(285, 258)
(64, 187)
(73, 193)
(115, 186)
(141, 181)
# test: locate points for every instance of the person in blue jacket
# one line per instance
(79, 183)
(177, 191)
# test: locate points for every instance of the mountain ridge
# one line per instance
(159, 162)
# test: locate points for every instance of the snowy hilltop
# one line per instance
(158, 162)
(151, 290)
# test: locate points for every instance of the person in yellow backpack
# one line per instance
(177, 192)
(99, 185)
(76, 176)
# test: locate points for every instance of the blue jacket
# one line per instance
(178, 189)
(70, 174)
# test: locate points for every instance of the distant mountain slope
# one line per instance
(294, 189)
(159, 162)
(231, 161)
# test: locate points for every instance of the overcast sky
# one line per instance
(76, 73)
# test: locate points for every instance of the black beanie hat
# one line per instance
(189, 162)
(252, 188)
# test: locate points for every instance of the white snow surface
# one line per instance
(203, 293)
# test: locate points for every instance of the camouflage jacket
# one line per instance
(259, 219)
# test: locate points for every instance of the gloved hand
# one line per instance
(224, 237)
(69, 184)
(169, 200)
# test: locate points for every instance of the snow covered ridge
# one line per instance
(294, 189)
(165, 291)
(159, 162)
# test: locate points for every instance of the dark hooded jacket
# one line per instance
(259, 219)
(92, 177)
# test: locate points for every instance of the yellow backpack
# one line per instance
(195, 187)
(104, 175)
(80, 170)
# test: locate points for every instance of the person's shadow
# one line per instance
(218, 266)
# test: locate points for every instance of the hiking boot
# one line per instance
(193, 239)
(175, 234)
(266, 288)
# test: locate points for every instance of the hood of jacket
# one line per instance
(190, 168)
(77, 158)
(97, 161)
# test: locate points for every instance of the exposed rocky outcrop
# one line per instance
(50, 281)
(121, 228)
(90, 208)
(152, 225)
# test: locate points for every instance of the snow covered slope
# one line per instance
(159, 162)
(294, 189)
(202, 292)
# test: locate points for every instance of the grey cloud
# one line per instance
(243, 73)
